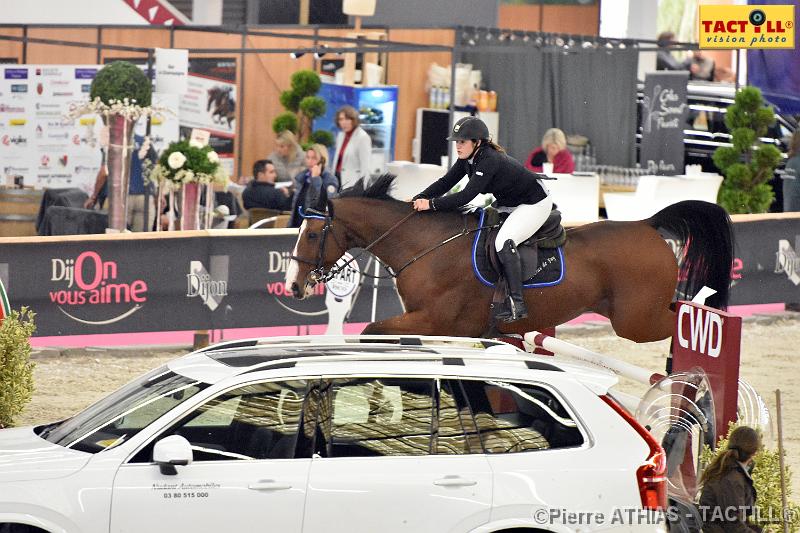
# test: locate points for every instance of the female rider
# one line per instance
(517, 190)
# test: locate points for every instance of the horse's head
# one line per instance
(316, 250)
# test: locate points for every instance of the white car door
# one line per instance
(245, 475)
(385, 462)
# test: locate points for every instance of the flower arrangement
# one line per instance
(188, 162)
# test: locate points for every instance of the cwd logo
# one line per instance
(211, 287)
(746, 26)
(705, 330)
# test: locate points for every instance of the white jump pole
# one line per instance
(621, 368)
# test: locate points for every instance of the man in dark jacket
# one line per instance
(261, 192)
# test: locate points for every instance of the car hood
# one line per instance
(26, 456)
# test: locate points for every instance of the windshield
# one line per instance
(124, 413)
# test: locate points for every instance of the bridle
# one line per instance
(319, 274)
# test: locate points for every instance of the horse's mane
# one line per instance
(378, 189)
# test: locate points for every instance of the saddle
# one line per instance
(542, 254)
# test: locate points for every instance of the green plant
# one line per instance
(747, 165)
(285, 121)
(188, 162)
(302, 105)
(120, 80)
(766, 479)
(16, 368)
(322, 137)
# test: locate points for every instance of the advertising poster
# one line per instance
(16, 125)
(210, 104)
(664, 111)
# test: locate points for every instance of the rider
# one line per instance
(517, 190)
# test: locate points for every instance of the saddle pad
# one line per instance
(547, 271)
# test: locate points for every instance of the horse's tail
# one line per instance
(707, 235)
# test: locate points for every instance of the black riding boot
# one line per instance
(512, 270)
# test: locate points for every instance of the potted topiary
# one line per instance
(16, 368)
(120, 94)
(748, 165)
(186, 165)
(302, 107)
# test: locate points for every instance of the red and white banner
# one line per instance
(157, 12)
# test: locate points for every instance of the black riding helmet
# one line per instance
(469, 128)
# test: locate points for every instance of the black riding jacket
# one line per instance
(491, 172)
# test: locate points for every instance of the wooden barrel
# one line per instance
(18, 211)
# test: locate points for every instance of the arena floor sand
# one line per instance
(69, 382)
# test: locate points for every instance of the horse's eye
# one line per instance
(312, 235)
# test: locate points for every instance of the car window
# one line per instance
(122, 414)
(255, 421)
(456, 433)
(373, 417)
(518, 417)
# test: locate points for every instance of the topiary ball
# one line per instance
(120, 80)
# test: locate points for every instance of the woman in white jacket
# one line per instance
(353, 149)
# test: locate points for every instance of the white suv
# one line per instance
(353, 434)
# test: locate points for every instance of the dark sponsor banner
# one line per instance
(119, 286)
(664, 111)
(766, 268)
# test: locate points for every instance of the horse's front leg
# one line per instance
(416, 323)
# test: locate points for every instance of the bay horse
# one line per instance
(624, 271)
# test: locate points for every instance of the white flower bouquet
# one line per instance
(188, 162)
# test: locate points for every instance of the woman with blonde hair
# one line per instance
(552, 150)
(351, 162)
(287, 156)
(309, 183)
(728, 496)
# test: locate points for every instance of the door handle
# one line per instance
(268, 484)
(455, 481)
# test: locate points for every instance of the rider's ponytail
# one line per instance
(490, 143)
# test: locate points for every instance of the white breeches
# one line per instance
(523, 222)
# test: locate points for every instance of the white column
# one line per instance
(207, 12)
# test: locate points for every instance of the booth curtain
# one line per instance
(586, 92)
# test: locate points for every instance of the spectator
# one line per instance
(287, 156)
(309, 183)
(664, 58)
(553, 150)
(261, 192)
(728, 496)
(701, 67)
(791, 178)
(142, 149)
(353, 149)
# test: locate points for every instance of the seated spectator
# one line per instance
(553, 150)
(664, 58)
(287, 156)
(261, 192)
(309, 183)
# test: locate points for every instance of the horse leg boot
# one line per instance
(512, 270)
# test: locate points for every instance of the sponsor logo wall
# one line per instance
(36, 141)
(111, 286)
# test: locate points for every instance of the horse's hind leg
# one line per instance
(416, 323)
(641, 316)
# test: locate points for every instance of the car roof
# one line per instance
(441, 355)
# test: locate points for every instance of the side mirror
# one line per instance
(170, 452)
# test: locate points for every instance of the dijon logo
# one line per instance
(211, 287)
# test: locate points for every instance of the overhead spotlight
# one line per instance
(297, 55)
(538, 41)
(560, 42)
(526, 38)
(320, 54)
(488, 36)
(586, 45)
(512, 36)
(571, 43)
(471, 41)
(609, 45)
(622, 46)
(502, 37)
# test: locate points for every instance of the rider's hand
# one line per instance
(422, 204)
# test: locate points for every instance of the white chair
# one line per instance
(577, 197)
(654, 193)
(412, 178)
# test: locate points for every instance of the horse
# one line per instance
(224, 104)
(625, 271)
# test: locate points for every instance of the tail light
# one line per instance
(652, 475)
